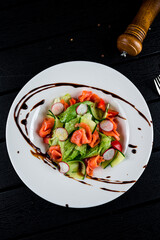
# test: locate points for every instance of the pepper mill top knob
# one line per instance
(132, 39)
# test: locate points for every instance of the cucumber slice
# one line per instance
(118, 159)
(57, 123)
(87, 119)
(106, 163)
(87, 116)
(98, 114)
(77, 169)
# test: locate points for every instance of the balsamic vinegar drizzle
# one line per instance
(134, 151)
(38, 104)
(110, 181)
(106, 189)
(121, 117)
(132, 146)
(44, 156)
(24, 121)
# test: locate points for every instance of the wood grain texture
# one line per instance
(119, 225)
(9, 178)
(44, 19)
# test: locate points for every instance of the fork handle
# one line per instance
(132, 39)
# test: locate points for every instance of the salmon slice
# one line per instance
(65, 104)
(114, 123)
(95, 98)
(72, 101)
(95, 139)
(55, 153)
(113, 133)
(83, 135)
(77, 137)
(46, 127)
(86, 95)
(87, 134)
(93, 163)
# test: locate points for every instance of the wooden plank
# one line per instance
(4, 109)
(142, 73)
(8, 176)
(42, 20)
(24, 213)
(11, 4)
(36, 57)
(45, 19)
(140, 223)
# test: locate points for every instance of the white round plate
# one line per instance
(136, 129)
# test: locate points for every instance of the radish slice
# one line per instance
(109, 154)
(57, 108)
(64, 167)
(106, 125)
(81, 109)
(61, 134)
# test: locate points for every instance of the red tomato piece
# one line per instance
(101, 105)
(117, 145)
(112, 113)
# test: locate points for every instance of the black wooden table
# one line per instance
(36, 34)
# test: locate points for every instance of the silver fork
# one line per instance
(157, 84)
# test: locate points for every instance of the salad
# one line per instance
(81, 135)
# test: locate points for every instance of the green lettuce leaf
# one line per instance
(105, 143)
(92, 152)
(70, 126)
(82, 149)
(53, 141)
(66, 148)
(66, 97)
(71, 113)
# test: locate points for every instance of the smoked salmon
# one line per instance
(113, 133)
(46, 127)
(65, 104)
(95, 139)
(55, 153)
(72, 101)
(93, 163)
(83, 135)
(86, 95)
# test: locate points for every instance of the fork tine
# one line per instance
(158, 81)
(157, 84)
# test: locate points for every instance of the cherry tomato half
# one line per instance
(117, 145)
(112, 113)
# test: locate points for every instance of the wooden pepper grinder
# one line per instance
(131, 41)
